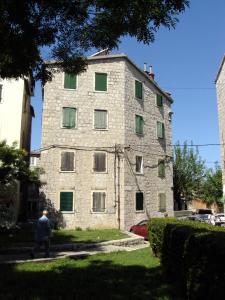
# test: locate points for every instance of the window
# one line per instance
(99, 162)
(101, 82)
(66, 201)
(139, 201)
(98, 201)
(139, 124)
(100, 121)
(160, 130)
(161, 168)
(159, 100)
(138, 89)
(69, 117)
(33, 161)
(139, 164)
(70, 81)
(67, 161)
(162, 202)
(1, 92)
(170, 115)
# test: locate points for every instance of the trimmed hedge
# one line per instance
(181, 247)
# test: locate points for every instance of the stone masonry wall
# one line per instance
(220, 88)
(84, 140)
(147, 146)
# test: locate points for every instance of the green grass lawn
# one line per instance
(26, 238)
(119, 275)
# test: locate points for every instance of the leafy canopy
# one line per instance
(192, 179)
(69, 28)
(14, 166)
(188, 172)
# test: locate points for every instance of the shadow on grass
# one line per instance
(95, 280)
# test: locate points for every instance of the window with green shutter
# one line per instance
(139, 124)
(101, 82)
(100, 121)
(69, 117)
(159, 100)
(138, 89)
(139, 201)
(161, 168)
(160, 130)
(1, 92)
(70, 81)
(66, 201)
(98, 204)
(162, 202)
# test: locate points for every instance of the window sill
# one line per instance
(67, 212)
(98, 212)
(67, 171)
(96, 172)
(139, 99)
(106, 92)
(139, 134)
(99, 129)
(71, 128)
(67, 89)
(139, 211)
(139, 174)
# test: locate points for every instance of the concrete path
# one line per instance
(75, 251)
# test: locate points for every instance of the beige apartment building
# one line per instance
(16, 115)
(106, 145)
(220, 89)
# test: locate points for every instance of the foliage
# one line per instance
(14, 166)
(191, 256)
(68, 29)
(156, 227)
(188, 173)
(212, 187)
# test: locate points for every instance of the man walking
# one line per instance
(43, 233)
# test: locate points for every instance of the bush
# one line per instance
(156, 227)
(175, 237)
(192, 255)
(204, 258)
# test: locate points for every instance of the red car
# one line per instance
(141, 229)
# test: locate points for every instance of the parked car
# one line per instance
(219, 219)
(141, 229)
(206, 218)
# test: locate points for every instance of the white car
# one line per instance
(220, 219)
(206, 218)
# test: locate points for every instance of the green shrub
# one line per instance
(156, 227)
(175, 238)
(204, 258)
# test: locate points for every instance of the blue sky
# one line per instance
(185, 62)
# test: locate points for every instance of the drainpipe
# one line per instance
(118, 198)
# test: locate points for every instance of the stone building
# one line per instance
(106, 144)
(220, 89)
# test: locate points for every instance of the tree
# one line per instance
(69, 28)
(188, 174)
(212, 187)
(15, 167)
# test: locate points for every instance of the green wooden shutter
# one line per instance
(139, 124)
(138, 89)
(66, 201)
(100, 119)
(99, 162)
(161, 168)
(69, 117)
(160, 130)
(162, 202)
(70, 81)
(139, 201)
(100, 81)
(159, 100)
